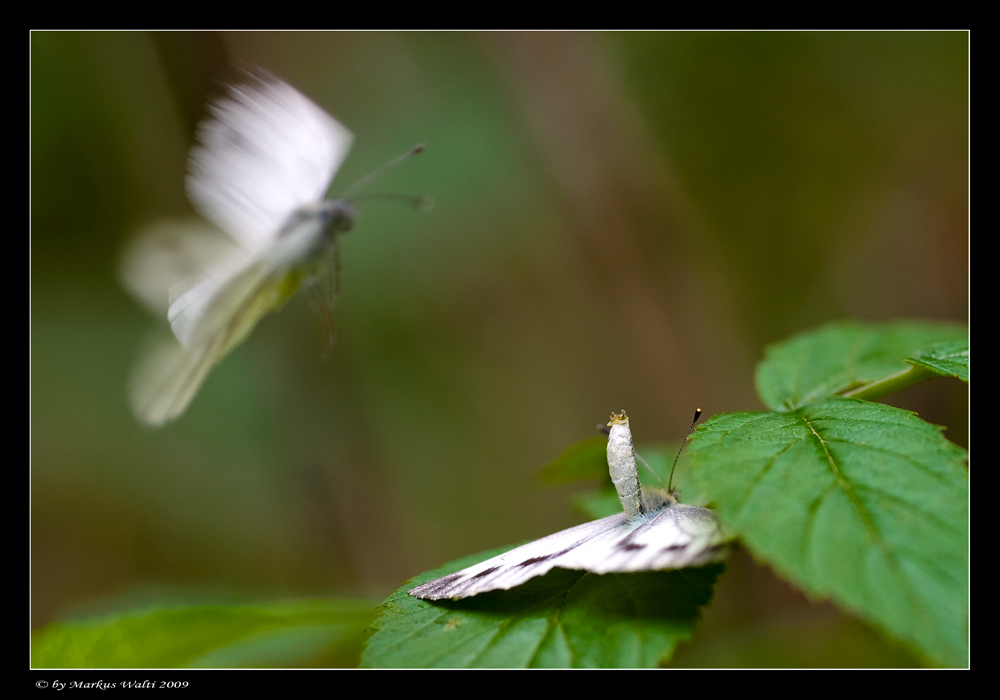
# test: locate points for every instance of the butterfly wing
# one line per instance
(264, 161)
(206, 306)
(676, 536)
(170, 373)
(168, 255)
(264, 151)
(521, 564)
(167, 377)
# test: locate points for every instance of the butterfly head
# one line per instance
(618, 419)
(337, 214)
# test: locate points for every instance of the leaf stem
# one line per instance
(887, 385)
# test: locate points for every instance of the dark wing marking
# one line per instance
(673, 537)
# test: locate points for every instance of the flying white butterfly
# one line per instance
(655, 532)
(265, 159)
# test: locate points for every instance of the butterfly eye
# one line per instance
(618, 419)
(342, 223)
(338, 215)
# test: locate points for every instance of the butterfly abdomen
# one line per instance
(621, 464)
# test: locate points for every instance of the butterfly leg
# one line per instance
(325, 309)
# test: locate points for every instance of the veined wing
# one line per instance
(264, 151)
(167, 377)
(204, 306)
(169, 374)
(201, 306)
(672, 537)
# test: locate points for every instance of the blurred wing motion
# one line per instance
(264, 151)
(265, 159)
(662, 535)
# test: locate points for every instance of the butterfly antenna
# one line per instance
(697, 415)
(646, 464)
(421, 203)
(388, 166)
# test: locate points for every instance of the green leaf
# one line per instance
(598, 504)
(857, 501)
(949, 359)
(604, 501)
(587, 459)
(283, 634)
(561, 620)
(841, 357)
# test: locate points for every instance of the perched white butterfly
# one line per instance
(265, 159)
(655, 532)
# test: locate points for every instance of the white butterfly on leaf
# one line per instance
(265, 159)
(654, 533)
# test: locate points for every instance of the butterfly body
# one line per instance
(634, 498)
(264, 160)
(658, 534)
(301, 252)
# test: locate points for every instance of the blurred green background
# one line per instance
(622, 221)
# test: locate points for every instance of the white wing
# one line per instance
(169, 373)
(167, 377)
(265, 150)
(166, 255)
(673, 537)
(202, 305)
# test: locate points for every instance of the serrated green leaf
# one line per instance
(283, 634)
(561, 620)
(857, 501)
(949, 359)
(839, 357)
